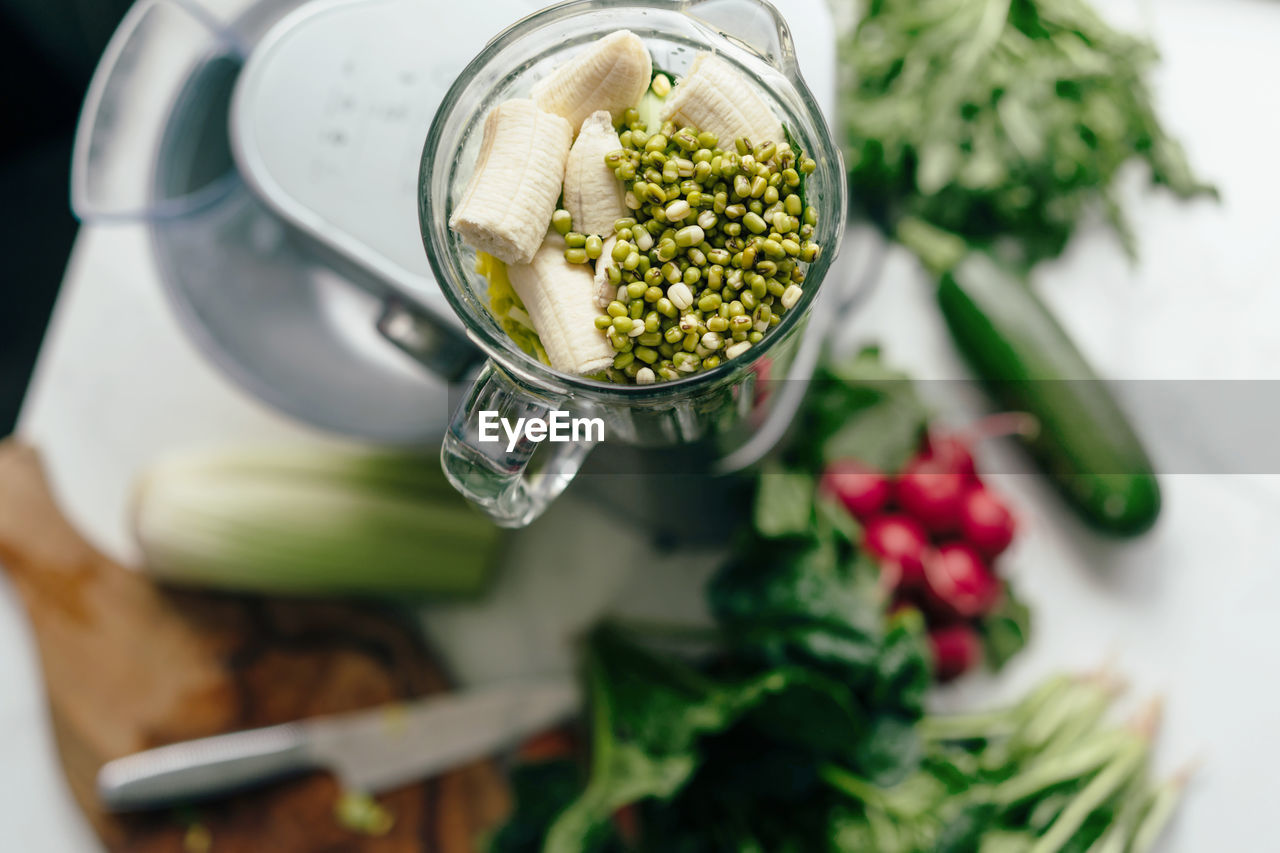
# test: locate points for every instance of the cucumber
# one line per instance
(1027, 363)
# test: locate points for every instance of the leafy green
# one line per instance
(1075, 790)
(1001, 121)
(1005, 631)
(648, 713)
(860, 409)
(540, 791)
(650, 106)
(784, 503)
(905, 673)
(801, 732)
(810, 671)
(964, 832)
(652, 715)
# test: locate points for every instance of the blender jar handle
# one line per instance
(754, 23)
(493, 474)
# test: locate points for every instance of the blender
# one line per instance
(270, 150)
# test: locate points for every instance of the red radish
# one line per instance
(959, 583)
(899, 543)
(951, 453)
(863, 490)
(956, 650)
(986, 522)
(931, 492)
(954, 450)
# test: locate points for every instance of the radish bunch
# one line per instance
(936, 530)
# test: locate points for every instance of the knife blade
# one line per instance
(369, 751)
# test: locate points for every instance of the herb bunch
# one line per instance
(998, 122)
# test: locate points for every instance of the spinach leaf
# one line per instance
(649, 713)
(860, 409)
(784, 502)
(817, 604)
(889, 750)
(541, 791)
(1005, 631)
(905, 669)
(832, 519)
(796, 582)
(815, 714)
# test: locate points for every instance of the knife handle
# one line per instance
(202, 768)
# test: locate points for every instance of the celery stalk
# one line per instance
(312, 522)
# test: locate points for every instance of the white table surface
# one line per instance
(1186, 611)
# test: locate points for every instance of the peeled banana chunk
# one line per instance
(612, 74)
(561, 300)
(593, 195)
(517, 179)
(716, 98)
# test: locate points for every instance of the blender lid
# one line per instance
(330, 113)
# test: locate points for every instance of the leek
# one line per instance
(312, 522)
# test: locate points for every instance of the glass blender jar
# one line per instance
(721, 409)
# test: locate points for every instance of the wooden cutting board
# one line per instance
(130, 665)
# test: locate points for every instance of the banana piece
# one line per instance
(560, 299)
(716, 98)
(610, 75)
(593, 195)
(606, 291)
(513, 192)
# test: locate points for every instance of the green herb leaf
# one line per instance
(905, 670)
(964, 832)
(800, 597)
(541, 791)
(1005, 631)
(648, 714)
(890, 750)
(999, 122)
(784, 503)
(832, 519)
(860, 409)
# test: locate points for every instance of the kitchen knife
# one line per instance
(369, 751)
